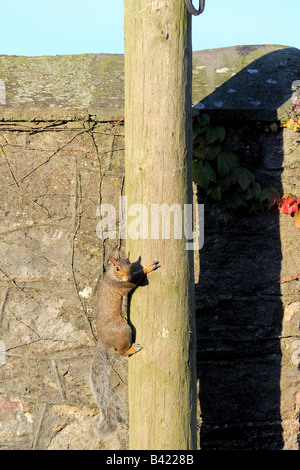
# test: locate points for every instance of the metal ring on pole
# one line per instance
(192, 10)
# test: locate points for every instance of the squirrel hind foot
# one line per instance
(132, 350)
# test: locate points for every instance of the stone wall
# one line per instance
(248, 322)
(61, 155)
(53, 178)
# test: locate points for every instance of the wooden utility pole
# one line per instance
(158, 156)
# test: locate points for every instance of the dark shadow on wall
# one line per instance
(238, 302)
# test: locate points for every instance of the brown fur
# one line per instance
(113, 332)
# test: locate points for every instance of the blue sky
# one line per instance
(36, 27)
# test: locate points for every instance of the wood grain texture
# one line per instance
(162, 377)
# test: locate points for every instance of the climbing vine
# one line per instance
(220, 173)
(293, 122)
(289, 203)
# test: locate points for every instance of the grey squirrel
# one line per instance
(113, 332)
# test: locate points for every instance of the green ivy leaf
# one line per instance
(243, 176)
(249, 193)
(257, 207)
(271, 195)
(234, 200)
(203, 120)
(203, 173)
(225, 184)
(213, 151)
(205, 151)
(221, 133)
(200, 142)
(200, 152)
(215, 133)
(215, 192)
(257, 191)
(226, 162)
(200, 125)
(195, 131)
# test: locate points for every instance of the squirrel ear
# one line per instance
(128, 254)
(113, 260)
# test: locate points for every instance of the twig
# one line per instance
(266, 173)
(17, 286)
(11, 172)
(58, 380)
(50, 128)
(291, 278)
(52, 155)
(100, 165)
(73, 259)
(3, 303)
(39, 426)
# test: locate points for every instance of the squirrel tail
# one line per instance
(111, 407)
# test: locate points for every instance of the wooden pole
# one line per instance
(158, 156)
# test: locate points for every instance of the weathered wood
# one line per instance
(162, 377)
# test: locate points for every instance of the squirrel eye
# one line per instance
(117, 268)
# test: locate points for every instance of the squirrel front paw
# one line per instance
(151, 267)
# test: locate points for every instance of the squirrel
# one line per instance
(113, 332)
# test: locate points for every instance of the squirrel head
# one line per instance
(122, 268)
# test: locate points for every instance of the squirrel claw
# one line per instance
(154, 265)
(137, 347)
(134, 349)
